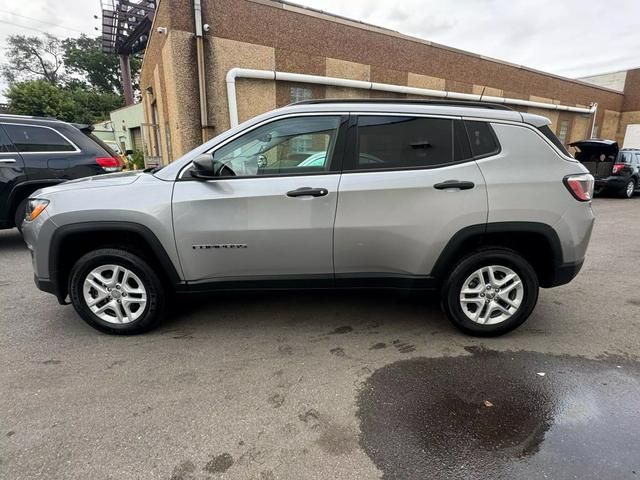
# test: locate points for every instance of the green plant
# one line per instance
(136, 160)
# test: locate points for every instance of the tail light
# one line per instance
(580, 186)
(617, 167)
(110, 164)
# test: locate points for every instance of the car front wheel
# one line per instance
(116, 292)
(490, 292)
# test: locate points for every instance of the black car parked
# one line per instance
(37, 152)
(616, 171)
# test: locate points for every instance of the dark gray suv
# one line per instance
(38, 152)
(474, 201)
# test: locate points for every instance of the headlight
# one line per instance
(35, 206)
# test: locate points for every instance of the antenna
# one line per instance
(482, 94)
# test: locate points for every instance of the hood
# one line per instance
(98, 181)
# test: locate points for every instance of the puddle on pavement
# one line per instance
(494, 415)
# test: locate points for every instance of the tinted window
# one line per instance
(546, 131)
(289, 146)
(5, 144)
(37, 139)
(625, 157)
(482, 139)
(404, 142)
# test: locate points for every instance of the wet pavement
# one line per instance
(329, 385)
(503, 415)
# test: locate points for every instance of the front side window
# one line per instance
(290, 146)
(28, 138)
(404, 142)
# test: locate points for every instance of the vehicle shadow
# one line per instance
(313, 309)
(11, 240)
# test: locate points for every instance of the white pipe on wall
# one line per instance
(235, 73)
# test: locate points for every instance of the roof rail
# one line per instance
(28, 117)
(418, 101)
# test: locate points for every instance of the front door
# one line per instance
(270, 213)
(11, 173)
(409, 184)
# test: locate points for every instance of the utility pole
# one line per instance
(125, 74)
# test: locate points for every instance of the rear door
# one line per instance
(409, 184)
(11, 173)
(48, 154)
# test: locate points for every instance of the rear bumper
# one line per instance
(611, 183)
(565, 272)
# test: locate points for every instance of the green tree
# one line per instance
(39, 97)
(71, 103)
(33, 58)
(83, 56)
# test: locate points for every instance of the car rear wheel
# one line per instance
(116, 292)
(490, 292)
(627, 192)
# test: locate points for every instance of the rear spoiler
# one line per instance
(84, 128)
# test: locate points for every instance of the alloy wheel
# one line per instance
(114, 294)
(491, 295)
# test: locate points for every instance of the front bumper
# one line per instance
(49, 286)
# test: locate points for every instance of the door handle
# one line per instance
(308, 192)
(7, 160)
(458, 185)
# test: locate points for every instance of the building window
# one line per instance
(564, 129)
(304, 143)
(298, 94)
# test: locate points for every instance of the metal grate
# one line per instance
(126, 25)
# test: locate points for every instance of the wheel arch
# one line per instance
(70, 242)
(537, 242)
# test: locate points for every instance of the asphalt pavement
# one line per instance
(329, 385)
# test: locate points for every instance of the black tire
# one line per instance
(624, 193)
(19, 214)
(501, 257)
(154, 308)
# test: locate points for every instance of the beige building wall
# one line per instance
(254, 96)
(170, 71)
(345, 69)
(610, 124)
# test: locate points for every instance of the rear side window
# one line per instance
(5, 144)
(404, 142)
(28, 138)
(482, 139)
(546, 131)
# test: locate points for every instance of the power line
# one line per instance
(17, 25)
(40, 21)
(24, 26)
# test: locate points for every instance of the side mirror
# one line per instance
(206, 167)
(128, 152)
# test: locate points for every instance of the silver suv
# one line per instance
(476, 201)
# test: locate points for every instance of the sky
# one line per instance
(572, 38)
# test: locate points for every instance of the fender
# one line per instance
(475, 236)
(61, 233)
